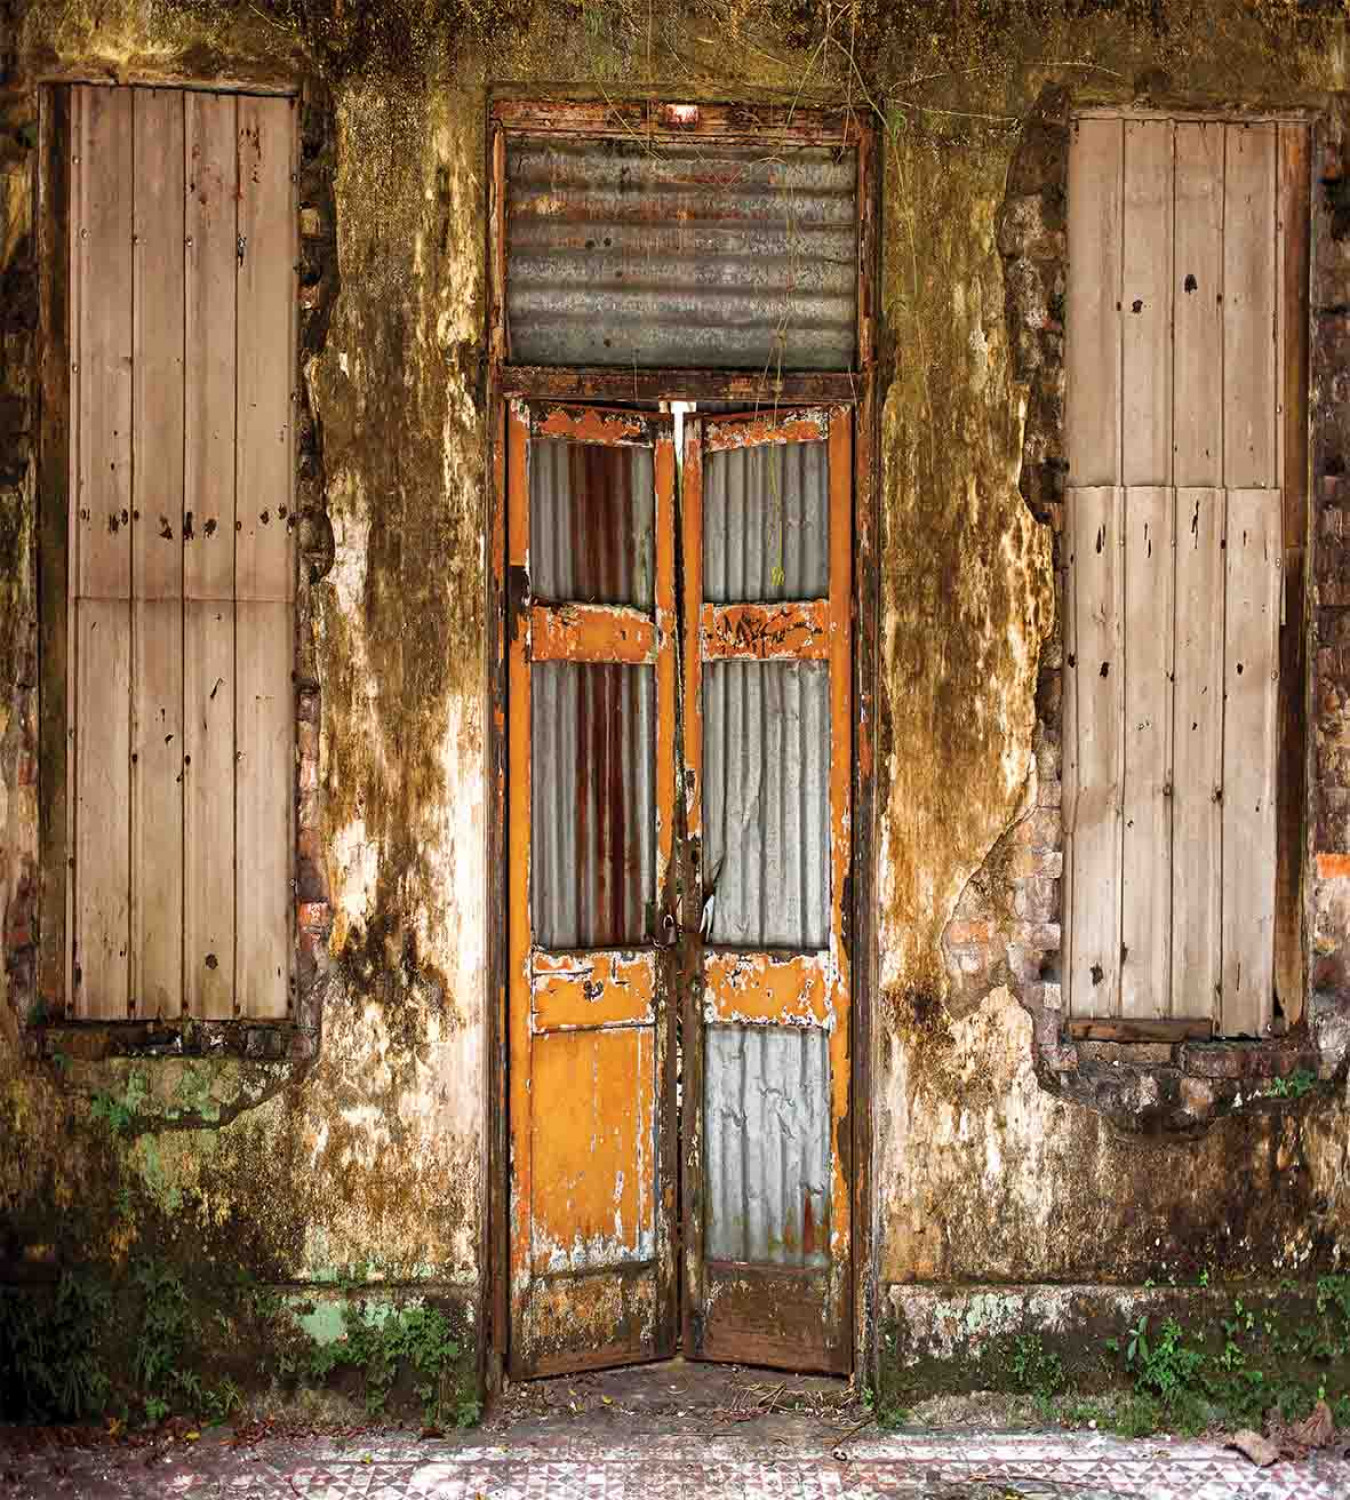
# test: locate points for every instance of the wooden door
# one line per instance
(592, 692)
(766, 551)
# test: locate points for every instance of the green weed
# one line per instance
(50, 1363)
(418, 1338)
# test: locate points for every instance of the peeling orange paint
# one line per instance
(795, 631)
(754, 429)
(760, 988)
(591, 633)
(593, 989)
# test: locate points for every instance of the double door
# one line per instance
(679, 771)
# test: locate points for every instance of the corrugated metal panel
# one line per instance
(703, 256)
(592, 511)
(593, 751)
(767, 1133)
(766, 508)
(766, 757)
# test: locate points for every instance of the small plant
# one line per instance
(51, 1368)
(1295, 1086)
(120, 1113)
(165, 1324)
(418, 1337)
(1037, 1370)
(1164, 1366)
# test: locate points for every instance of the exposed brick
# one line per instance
(978, 931)
(1042, 935)
(1197, 1097)
(1025, 963)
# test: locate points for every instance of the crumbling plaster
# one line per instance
(375, 1156)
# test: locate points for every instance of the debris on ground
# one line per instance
(1252, 1445)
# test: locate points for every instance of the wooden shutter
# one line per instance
(181, 564)
(1186, 297)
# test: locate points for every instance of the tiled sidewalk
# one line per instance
(952, 1465)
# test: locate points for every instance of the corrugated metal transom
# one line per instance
(709, 256)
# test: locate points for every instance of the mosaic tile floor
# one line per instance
(942, 1466)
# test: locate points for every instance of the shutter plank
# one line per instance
(1146, 305)
(1197, 753)
(1146, 832)
(1249, 307)
(1197, 285)
(1097, 575)
(264, 805)
(1092, 304)
(101, 542)
(1292, 240)
(208, 555)
(102, 266)
(208, 559)
(157, 558)
(208, 906)
(1251, 688)
(102, 807)
(266, 311)
(264, 567)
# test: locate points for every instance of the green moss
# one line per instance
(1194, 1362)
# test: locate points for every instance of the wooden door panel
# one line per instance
(590, 506)
(595, 1173)
(767, 543)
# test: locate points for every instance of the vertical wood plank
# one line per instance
(157, 557)
(1293, 238)
(264, 563)
(264, 805)
(1251, 689)
(211, 261)
(102, 266)
(1097, 574)
(1146, 304)
(1093, 316)
(1197, 285)
(1197, 754)
(101, 550)
(208, 558)
(264, 567)
(1146, 832)
(1249, 307)
(102, 797)
(208, 809)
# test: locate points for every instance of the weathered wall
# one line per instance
(367, 1162)
(374, 1153)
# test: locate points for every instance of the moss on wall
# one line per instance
(374, 1155)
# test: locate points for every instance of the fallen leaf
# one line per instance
(192, 1435)
(607, 1400)
(1318, 1428)
(1253, 1446)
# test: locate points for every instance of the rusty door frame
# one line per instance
(784, 122)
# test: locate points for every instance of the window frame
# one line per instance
(511, 112)
(1294, 272)
(265, 1037)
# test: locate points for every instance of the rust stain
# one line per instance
(592, 633)
(795, 631)
(593, 989)
(1333, 866)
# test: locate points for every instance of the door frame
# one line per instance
(508, 112)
